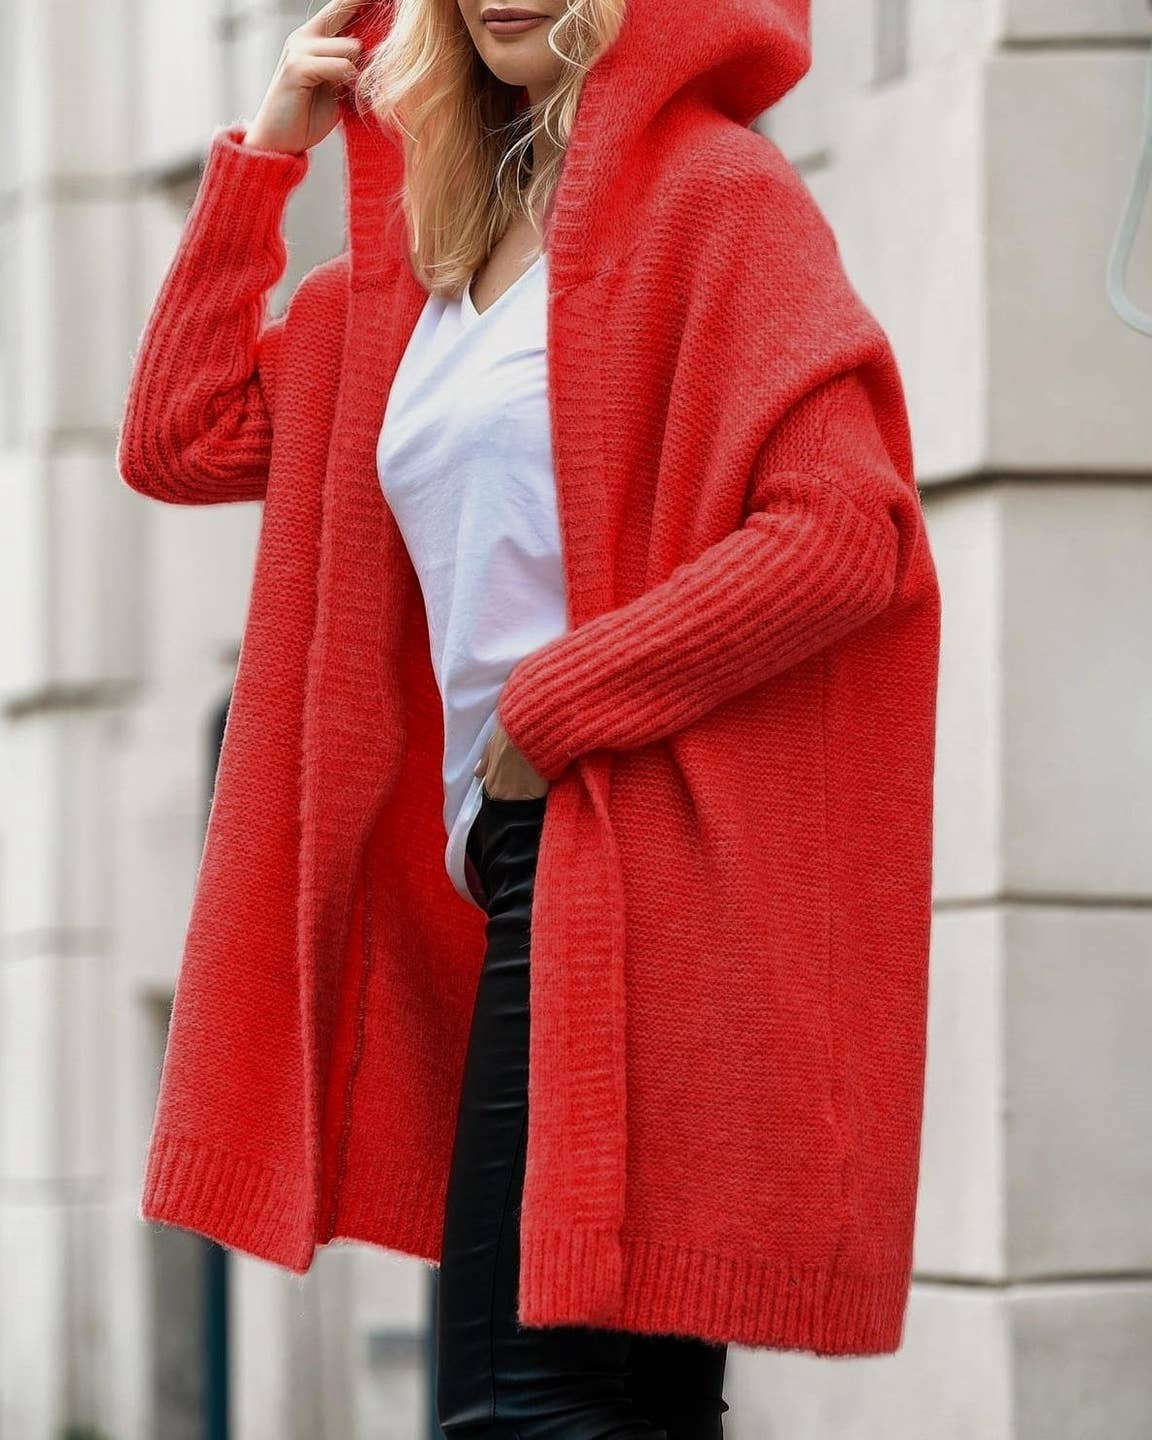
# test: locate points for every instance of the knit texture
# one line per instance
(732, 904)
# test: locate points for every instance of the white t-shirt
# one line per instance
(465, 462)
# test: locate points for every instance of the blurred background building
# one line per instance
(973, 157)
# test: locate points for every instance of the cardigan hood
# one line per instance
(738, 58)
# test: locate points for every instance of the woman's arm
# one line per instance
(197, 424)
(197, 427)
(828, 530)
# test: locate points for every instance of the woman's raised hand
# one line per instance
(301, 104)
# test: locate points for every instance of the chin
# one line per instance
(530, 62)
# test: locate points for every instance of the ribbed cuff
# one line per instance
(246, 189)
(531, 726)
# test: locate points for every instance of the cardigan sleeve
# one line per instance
(828, 526)
(197, 423)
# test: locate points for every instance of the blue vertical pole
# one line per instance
(216, 1345)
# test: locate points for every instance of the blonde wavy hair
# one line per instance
(467, 136)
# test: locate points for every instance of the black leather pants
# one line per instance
(497, 1380)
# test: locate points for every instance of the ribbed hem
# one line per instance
(571, 1276)
(396, 1210)
(571, 1266)
(265, 1212)
(567, 1278)
(230, 1198)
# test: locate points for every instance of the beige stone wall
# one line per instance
(974, 159)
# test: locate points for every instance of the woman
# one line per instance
(632, 701)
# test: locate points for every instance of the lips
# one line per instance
(510, 20)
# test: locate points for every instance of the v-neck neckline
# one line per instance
(469, 308)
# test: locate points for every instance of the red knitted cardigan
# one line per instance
(731, 916)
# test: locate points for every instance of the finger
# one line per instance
(347, 46)
(324, 69)
(330, 18)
